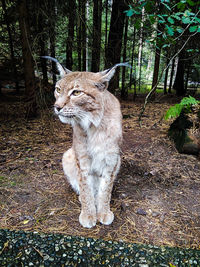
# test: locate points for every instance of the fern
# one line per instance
(186, 103)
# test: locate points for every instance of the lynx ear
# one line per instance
(62, 70)
(101, 86)
(109, 73)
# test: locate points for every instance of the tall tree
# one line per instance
(78, 33)
(113, 51)
(70, 38)
(40, 7)
(157, 51)
(30, 87)
(11, 45)
(124, 92)
(96, 40)
(166, 72)
(140, 50)
(106, 24)
(133, 65)
(171, 76)
(179, 79)
(52, 35)
(83, 33)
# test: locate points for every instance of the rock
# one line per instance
(124, 206)
(155, 214)
(162, 218)
(141, 212)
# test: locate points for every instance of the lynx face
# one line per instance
(79, 98)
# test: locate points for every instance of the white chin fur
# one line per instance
(65, 119)
(84, 122)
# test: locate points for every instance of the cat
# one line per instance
(92, 163)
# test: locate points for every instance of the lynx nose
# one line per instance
(57, 108)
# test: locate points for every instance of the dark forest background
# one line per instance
(160, 40)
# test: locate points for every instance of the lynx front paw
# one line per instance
(106, 217)
(87, 220)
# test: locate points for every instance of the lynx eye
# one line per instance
(76, 92)
(58, 90)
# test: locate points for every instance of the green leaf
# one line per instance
(152, 19)
(176, 16)
(186, 20)
(190, 2)
(175, 110)
(181, 6)
(189, 13)
(171, 20)
(189, 101)
(166, 45)
(179, 29)
(197, 20)
(169, 30)
(190, 50)
(129, 12)
(193, 28)
(137, 24)
(168, 7)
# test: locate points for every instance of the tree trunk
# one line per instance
(140, 50)
(140, 68)
(96, 44)
(106, 26)
(171, 77)
(87, 37)
(133, 65)
(113, 52)
(179, 79)
(166, 73)
(51, 4)
(157, 53)
(70, 38)
(30, 89)
(78, 32)
(40, 27)
(83, 29)
(156, 66)
(124, 91)
(14, 68)
(149, 66)
(187, 75)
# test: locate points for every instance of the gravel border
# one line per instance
(18, 248)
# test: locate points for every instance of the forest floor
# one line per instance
(155, 197)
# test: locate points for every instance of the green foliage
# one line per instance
(174, 18)
(186, 104)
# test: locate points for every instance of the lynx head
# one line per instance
(80, 95)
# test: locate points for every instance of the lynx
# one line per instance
(93, 161)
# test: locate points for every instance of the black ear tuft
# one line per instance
(62, 70)
(108, 74)
(101, 86)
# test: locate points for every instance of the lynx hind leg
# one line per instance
(71, 169)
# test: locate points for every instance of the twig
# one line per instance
(2, 163)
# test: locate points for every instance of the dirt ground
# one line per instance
(156, 196)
